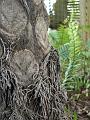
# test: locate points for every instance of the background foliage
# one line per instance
(74, 55)
(58, 14)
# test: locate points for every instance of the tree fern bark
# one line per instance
(29, 70)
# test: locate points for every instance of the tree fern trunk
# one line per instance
(29, 71)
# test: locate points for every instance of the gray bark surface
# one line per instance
(29, 71)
